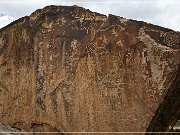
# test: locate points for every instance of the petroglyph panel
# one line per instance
(72, 70)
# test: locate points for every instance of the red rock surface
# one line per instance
(69, 69)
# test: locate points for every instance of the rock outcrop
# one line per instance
(67, 69)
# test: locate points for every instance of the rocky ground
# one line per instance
(7, 130)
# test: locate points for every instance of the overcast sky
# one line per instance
(165, 13)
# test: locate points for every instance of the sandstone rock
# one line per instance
(67, 69)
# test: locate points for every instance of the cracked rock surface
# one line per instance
(67, 69)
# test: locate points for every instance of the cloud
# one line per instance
(160, 12)
(5, 19)
(1, 15)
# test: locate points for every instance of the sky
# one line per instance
(164, 13)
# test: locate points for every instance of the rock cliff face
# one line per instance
(67, 69)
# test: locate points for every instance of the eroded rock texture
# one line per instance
(7, 130)
(73, 70)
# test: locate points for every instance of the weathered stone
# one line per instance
(7, 130)
(67, 69)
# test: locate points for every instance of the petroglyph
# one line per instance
(171, 38)
(41, 89)
(123, 20)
